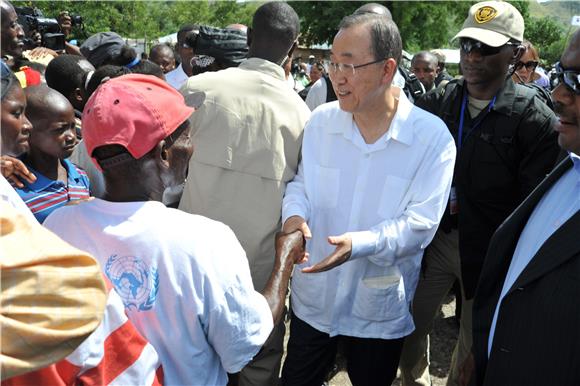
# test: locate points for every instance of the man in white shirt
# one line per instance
(185, 37)
(184, 279)
(370, 191)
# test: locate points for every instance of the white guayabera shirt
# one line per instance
(389, 196)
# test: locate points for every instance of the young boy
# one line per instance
(52, 140)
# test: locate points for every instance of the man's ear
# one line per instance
(162, 154)
(77, 95)
(294, 45)
(390, 68)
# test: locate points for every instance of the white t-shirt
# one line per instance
(184, 280)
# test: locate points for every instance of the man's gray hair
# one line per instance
(385, 37)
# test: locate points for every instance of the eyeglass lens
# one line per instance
(570, 78)
(531, 65)
(467, 45)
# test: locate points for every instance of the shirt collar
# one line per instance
(576, 161)
(401, 129)
(264, 66)
(42, 182)
(505, 97)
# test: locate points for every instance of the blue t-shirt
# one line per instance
(45, 195)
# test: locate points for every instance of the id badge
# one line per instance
(453, 206)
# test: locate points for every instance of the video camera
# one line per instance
(32, 19)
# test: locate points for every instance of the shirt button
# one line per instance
(367, 155)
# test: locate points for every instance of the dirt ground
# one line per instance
(443, 340)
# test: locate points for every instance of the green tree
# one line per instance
(547, 35)
(423, 24)
(150, 19)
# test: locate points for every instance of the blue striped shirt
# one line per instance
(45, 195)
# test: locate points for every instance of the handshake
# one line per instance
(290, 248)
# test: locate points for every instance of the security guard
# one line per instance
(505, 148)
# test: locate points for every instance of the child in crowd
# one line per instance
(52, 140)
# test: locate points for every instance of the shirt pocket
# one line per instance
(380, 298)
(328, 182)
(308, 289)
(393, 192)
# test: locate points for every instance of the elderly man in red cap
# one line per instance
(184, 279)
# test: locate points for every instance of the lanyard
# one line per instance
(475, 125)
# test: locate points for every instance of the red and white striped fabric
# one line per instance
(114, 354)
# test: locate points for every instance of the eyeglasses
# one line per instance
(570, 78)
(348, 69)
(530, 66)
(467, 45)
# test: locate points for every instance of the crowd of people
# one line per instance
(154, 211)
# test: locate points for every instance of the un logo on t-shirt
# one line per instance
(136, 283)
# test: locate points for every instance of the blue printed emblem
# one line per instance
(135, 282)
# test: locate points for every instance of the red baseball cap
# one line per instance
(135, 111)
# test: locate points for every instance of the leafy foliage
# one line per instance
(146, 19)
(547, 35)
(423, 24)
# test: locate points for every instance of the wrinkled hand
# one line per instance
(295, 223)
(290, 246)
(467, 370)
(340, 255)
(40, 52)
(14, 171)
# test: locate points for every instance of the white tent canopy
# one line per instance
(169, 39)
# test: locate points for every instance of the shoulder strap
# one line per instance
(446, 92)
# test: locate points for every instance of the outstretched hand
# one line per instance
(14, 171)
(340, 255)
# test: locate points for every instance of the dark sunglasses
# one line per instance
(467, 45)
(531, 65)
(570, 78)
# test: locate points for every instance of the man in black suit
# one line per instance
(526, 313)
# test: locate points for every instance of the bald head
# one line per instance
(5, 7)
(425, 56)
(44, 102)
(159, 50)
(374, 8)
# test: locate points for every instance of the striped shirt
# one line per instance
(45, 195)
(114, 354)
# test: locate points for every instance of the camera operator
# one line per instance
(66, 21)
